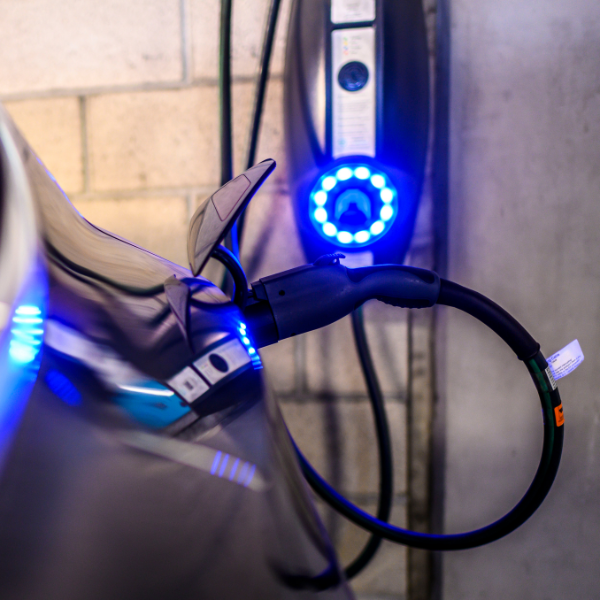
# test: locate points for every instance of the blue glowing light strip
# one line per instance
(198, 456)
(245, 475)
(254, 356)
(27, 334)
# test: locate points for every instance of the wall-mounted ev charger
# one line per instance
(356, 107)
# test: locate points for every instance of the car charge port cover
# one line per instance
(216, 215)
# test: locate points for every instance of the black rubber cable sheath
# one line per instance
(226, 137)
(490, 314)
(228, 259)
(259, 98)
(384, 445)
(225, 92)
(521, 342)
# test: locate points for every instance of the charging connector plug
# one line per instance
(312, 296)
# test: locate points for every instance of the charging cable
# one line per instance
(313, 296)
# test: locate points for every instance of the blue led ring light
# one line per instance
(353, 205)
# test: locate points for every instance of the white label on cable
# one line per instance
(566, 360)
(222, 361)
(353, 118)
(551, 378)
(352, 11)
(188, 384)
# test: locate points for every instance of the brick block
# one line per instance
(249, 21)
(271, 139)
(385, 576)
(338, 438)
(271, 243)
(84, 44)
(332, 362)
(157, 224)
(153, 139)
(53, 128)
(280, 365)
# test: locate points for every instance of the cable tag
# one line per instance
(566, 360)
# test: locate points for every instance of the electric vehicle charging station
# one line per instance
(357, 123)
(271, 315)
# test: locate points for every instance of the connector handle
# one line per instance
(313, 296)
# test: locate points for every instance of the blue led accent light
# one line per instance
(377, 227)
(320, 215)
(243, 476)
(329, 183)
(386, 195)
(329, 229)
(344, 173)
(361, 237)
(215, 463)
(61, 386)
(320, 198)
(21, 349)
(223, 465)
(353, 205)
(386, 213)
(234, 469)
(377, 181)
(27, 334)
(254, 356)
(344, 237)
(362, 173)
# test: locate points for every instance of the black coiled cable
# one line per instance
(527, 349)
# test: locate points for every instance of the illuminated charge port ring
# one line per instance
(353, 205)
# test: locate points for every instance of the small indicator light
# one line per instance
(344, 237)
(362, 173)
(386, 195)
(329, 229)
(28, 309)
(362, 236)
(377, 227)
(320, 215)
(386, 213)
(329, 183)
(320, 198)
(377, 181)
(344, 173)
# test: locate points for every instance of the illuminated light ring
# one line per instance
(367, 179)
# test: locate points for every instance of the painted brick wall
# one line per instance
(120, 100)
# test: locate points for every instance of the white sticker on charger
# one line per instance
(188, 384)
(352, 11)
(354, 106)
(566, 360)
(222, 361)
(355, 260)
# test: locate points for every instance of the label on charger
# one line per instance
(353, 91)
(355, 260)
(352, 11)
(566, 360)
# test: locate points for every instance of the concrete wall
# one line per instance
(524, 229)
(119, 98)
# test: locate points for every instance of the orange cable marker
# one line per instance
(560, 417)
